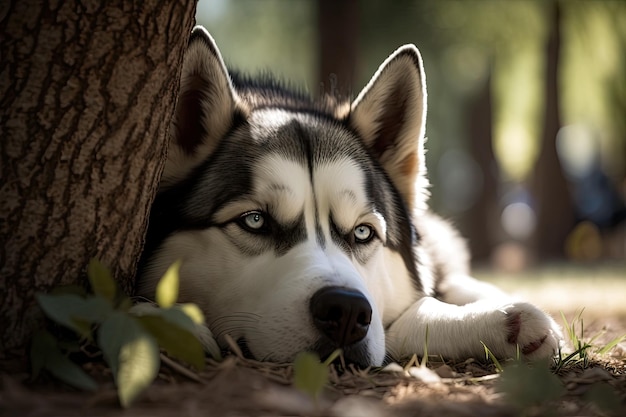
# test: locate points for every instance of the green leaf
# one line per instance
(101, 280)
(528, 385)
(67, 371)
(310, 376)
(69, 346)
(61, 308)
(131, 352)
(177, 317)
(605, 397)
(125, 304)
(45, 354)
(139, 366)
(117, 330)
(175, 338)
(83, 328)
(167, 288)
(610, 345)
(42, 343)
(192, 311)
(95, 309)
(72, 311)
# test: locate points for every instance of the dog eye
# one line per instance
(253, 221)
(363, 233)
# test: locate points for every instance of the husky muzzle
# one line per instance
(342, 315)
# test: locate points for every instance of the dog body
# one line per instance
(303, 225)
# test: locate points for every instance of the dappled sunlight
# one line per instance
(516, 150)
(463, 47)
(598, 289)
(519, 220)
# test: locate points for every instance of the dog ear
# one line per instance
(206, 107)
(390, 116)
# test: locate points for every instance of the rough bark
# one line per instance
(338, 31)
(87, 91)
(555, 211)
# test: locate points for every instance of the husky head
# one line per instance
(292, 217)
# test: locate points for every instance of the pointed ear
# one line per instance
(390, 116)
(206, 107)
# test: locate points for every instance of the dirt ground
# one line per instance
(241, 387)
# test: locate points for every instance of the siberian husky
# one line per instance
(302, 224)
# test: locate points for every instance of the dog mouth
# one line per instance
(356, 354)
(242, 344)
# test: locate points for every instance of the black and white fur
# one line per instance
(303, 225)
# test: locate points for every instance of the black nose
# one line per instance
(342, 314)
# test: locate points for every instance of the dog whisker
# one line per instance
(239, 315)
(234, 324)
(232, 327)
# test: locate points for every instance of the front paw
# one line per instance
(531, 331)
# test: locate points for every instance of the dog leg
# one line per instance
(462, 289)
(456, 332)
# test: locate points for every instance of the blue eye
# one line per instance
(253, 221)
(363, 233)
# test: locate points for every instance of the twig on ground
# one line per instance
(175, 366)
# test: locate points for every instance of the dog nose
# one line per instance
(342, 314)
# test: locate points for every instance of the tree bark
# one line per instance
(87, 91)
(555, 211)
(338, 31)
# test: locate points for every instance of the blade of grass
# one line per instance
(332, 357)
(490, 355)
(604, 350)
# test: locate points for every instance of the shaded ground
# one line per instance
(239, 386)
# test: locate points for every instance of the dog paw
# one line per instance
(530, 330)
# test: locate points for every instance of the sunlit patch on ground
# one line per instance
(599, 289)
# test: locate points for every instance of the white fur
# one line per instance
(265, 297)
(457, 331)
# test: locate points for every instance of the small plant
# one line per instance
(580, 354)
(490, 356)
(531, 387)
(575, 331)
(129, 341)
(310, 374)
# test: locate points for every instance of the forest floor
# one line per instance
(241, 387)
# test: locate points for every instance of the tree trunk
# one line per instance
(87, 91)
(338, 24)
(555, 211)
(482, 231)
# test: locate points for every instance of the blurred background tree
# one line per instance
(527, 105)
